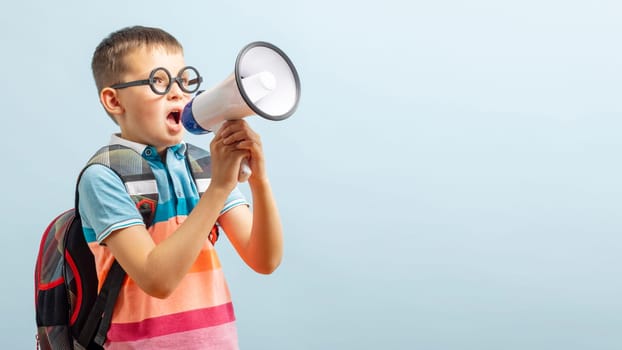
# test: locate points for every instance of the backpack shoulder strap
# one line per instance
(200, 165)
(199, 162)
(140, 183)
(135, 173)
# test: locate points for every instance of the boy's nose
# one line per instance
(175, 92)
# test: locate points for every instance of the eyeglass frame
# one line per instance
(172, 79)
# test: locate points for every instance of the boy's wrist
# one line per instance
(216, 192)
(258, 182)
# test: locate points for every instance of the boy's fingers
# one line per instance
(236, 137)
(247, 144)
(241, 135)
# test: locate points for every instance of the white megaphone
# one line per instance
(264, 82)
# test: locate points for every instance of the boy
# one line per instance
(175, 296)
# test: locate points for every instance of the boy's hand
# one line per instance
(226, 159)
(239, 134)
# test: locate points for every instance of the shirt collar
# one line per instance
(179, 149)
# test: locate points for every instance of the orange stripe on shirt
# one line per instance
(161, 230)
(103, 261)
(195, 291)
(207, 259)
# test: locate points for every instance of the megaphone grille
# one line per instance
(261, 57)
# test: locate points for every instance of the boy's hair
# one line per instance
(109, 63)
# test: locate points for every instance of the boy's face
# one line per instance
(144, 116)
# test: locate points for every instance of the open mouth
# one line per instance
(174, 116)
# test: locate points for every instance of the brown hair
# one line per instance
(108, 62)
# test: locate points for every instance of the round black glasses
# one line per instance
(160, 81)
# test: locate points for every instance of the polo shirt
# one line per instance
(199, 313)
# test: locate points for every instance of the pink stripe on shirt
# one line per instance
(169, 324)
(222, 337)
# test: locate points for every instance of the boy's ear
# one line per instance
(109, 99)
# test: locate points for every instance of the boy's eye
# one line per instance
(190, 82)
(159, 80)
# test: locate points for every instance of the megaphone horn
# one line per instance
(264, 82)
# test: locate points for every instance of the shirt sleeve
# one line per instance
(104, 204)
(235, 198)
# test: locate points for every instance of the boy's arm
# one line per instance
(257, 236)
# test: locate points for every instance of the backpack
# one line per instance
(70, 313)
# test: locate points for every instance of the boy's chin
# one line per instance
(176, 140)
(177, 135)
(172, 140)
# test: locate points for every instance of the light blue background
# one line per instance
(451, 179)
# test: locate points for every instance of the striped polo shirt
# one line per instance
(199, 313)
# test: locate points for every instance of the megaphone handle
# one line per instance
(245, 170)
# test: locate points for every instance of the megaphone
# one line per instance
(264, 82)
